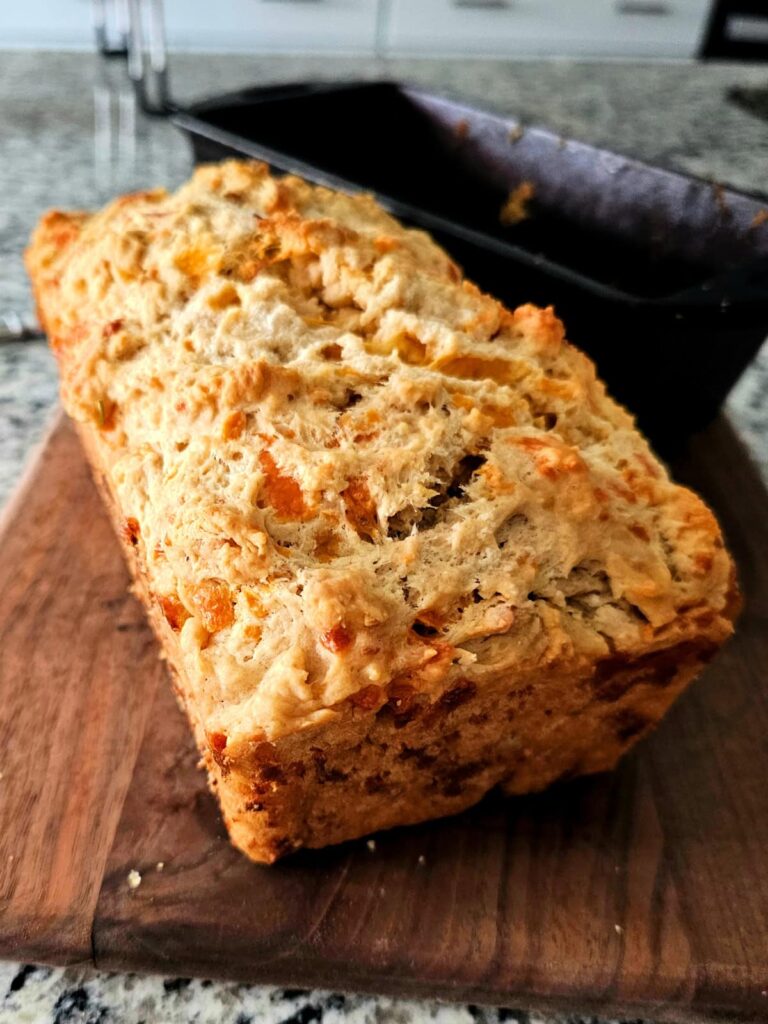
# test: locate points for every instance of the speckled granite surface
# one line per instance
(70, 137)
(42, 995)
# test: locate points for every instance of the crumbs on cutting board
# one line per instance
(134, 879)
(371, 844)
(719, 195)
(516, 206)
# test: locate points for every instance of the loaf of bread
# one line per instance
(397, 544)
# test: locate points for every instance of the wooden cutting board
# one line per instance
(644, 892)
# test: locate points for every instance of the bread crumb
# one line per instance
(160, 865)
(718, 194)
(134, 879)
(371, 844)
(516, 133)
(422, 859)
(515, 206)
(619, 929)
(760, 218)
(461, 129)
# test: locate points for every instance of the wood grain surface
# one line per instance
(78, 671)
(644, 892)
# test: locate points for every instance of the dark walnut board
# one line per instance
(644, 892)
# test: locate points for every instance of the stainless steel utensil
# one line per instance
(16, 327)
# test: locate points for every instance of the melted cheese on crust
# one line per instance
(345, 469)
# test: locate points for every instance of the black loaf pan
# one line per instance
(661, 278)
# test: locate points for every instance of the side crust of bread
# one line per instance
(397, 544)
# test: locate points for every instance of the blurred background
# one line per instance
(500, 28)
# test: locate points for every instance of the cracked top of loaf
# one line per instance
(348, 473)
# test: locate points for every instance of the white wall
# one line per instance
(671, 28)
(668, 28)
(46, 23)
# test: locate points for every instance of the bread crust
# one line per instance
(396, 542)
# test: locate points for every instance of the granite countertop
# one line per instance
(72, 138)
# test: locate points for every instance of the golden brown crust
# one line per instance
(397, 542)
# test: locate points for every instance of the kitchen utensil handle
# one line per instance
(110, 23)
(148, 56)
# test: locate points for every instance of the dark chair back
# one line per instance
(737, 30)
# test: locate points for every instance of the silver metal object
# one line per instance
(135, 29)
(148, 55)
(114, 130)
(14, 327)
(110, 23)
